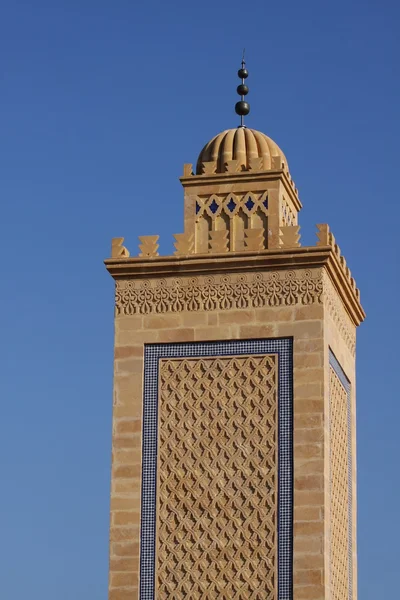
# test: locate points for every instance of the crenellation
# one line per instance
(277, 163)
(323, 233)
(184, 244)
(256, 164)
(117, 248)
(233, 166)
(218, 241)
(290, 236)
(187, 170)
(209, 168)
(254, 240)
(326, 238)
(337, 251)
(148, 246)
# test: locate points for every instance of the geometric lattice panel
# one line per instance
(217, 478)
(340, 484)
(217, 471)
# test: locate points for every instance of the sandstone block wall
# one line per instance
(313, 329)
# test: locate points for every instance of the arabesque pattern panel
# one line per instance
(217, 498)
(340, 485)
(217, 471)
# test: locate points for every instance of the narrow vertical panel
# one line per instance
(340, 483)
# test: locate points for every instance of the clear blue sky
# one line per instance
(101, 103)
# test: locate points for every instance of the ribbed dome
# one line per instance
(239, 144)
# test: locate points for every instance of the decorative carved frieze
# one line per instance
(219, 292)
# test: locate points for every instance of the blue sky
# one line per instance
(101, 104)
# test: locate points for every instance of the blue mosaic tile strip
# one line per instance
(153, 354)
(334, 363)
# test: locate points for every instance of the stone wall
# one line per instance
(304, 320)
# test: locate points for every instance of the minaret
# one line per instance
(234, 466)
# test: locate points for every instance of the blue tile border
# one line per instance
(153, 353)
(334, 363)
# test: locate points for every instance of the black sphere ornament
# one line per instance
(242, 89)
(242, 108)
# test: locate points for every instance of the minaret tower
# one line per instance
(234, 466)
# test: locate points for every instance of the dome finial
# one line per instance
(242, 108)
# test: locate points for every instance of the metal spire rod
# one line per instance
(242, 107)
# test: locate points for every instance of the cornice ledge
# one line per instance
(196, 264)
